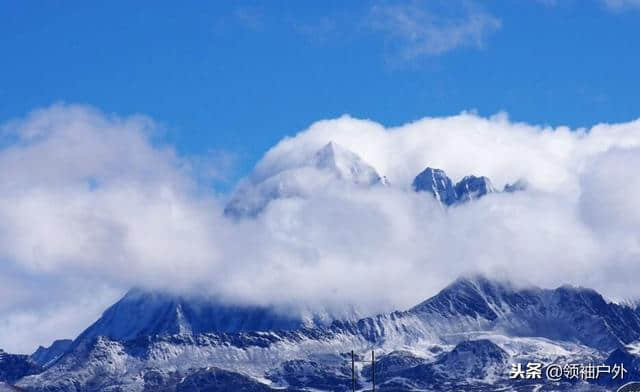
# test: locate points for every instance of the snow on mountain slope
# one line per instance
(148, 313)
(332, 164)
(45, 356)
(437, 183)
(566, 313)
(15, 366)
(478, 360)
(325, 375)
(4, 387)
(345, 164)
(507, 325)
(472, 188)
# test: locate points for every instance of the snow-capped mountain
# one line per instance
(472, 188)
(335, 165)
(330, 164)
(148, 313)
(565, 314)
(464, 338)
(346, 165)
(437, 183)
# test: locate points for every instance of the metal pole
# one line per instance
(373, 370)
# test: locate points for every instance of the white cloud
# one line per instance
(621, 4)
(250, 17)
(90, 206)
(612, 5)
(548, 2)
(549, 234)
(432, 27)
(88, 197)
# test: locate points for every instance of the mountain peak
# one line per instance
(332, 162)
(329, 148)
(149, 313)
(551, 313)
(472, 188)
(474, 296)
(437, 183)
(346, 164)
(326, 154)
(479, 282)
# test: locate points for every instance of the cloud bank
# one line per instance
(91, 205)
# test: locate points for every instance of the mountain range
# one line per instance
(334, 164)
(466, 337)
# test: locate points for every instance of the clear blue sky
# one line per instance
(238, 76)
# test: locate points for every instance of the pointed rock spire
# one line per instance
(437, 183)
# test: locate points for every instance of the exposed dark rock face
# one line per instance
(14, 366)
(436, 182)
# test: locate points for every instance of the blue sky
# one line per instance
(91, 206)
(238, 76)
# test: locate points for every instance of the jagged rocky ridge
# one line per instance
(464, 337)
(436, 182)
(335, 164)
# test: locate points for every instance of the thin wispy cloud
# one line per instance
(432, 27)
(611, 5)
(320, 29)
(250, 17)
(548, 2)
(619, 5)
